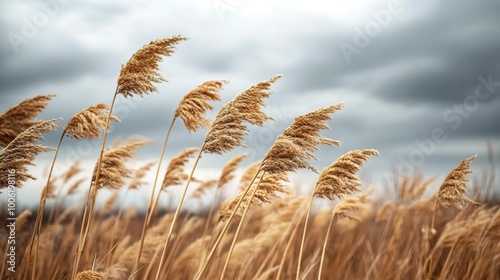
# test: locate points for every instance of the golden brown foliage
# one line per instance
(19, 117)
(340, 178)
(113, 169)
(194, 105)
(90, 275)
(268, 188)
(228, 130)
(139, 174)
(228, 170)
(297, 143)
(141, 71)
(175, 174)
(21, 152)
(89, 123)
(72, 171)
(452, 190)
(248, 175)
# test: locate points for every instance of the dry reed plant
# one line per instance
(451, 192)
(22, 151)
(406, 236)
(290, 152)
(87, 123)
(194, 105)
(19, 117)
(228, 131)
(352, 208)
(138, 75)
(114, 170)
(136, 78)
(138, 177)
(299, 141)
(175, 174)
(90, 275)
(336, 180)
(191, 110)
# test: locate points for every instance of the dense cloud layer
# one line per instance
(417, 72)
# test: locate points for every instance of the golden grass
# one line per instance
(446, 236)
(20, 117)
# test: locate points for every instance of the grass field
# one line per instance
(265, 232)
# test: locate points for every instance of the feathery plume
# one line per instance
(203, 187)
(228, 170)
(139, 175)
(268, 188)
(21, 152)
(73, 170)
(142, 70)
(90, 275)
(74, 187)
(194, 105)
(298, 142)
(113, 170)
(249, 173)
(20, 117)
(175, 174)
(339, 178)
(110, 202)
(51, 189)
(452, 190)
(89, 123)
(228, 130)
(354, 207)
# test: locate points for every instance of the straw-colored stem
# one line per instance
(429, 274)
(323, 252)
(289, 245)
(152, 204)
(235, 238)
(115, 227)
(41, 209)
(272, 252)
(224, 230)
(93, 192)
(209, 217)
(304, 237)
(177, 212)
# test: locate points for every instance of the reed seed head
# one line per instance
(21, 152)
(194, 105)
(113, 170)
(339, 179)
(452, 191)
(89, 123)
(228, 130)
(297, 143)
(19, 117)
(142, 70)
(175, 174)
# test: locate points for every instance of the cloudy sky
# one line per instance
(420, 79)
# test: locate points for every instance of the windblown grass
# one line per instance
(448, 235)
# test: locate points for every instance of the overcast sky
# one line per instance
(420, 79)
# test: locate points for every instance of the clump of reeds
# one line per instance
(191, 110)
(229, 130)
(336, 180)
